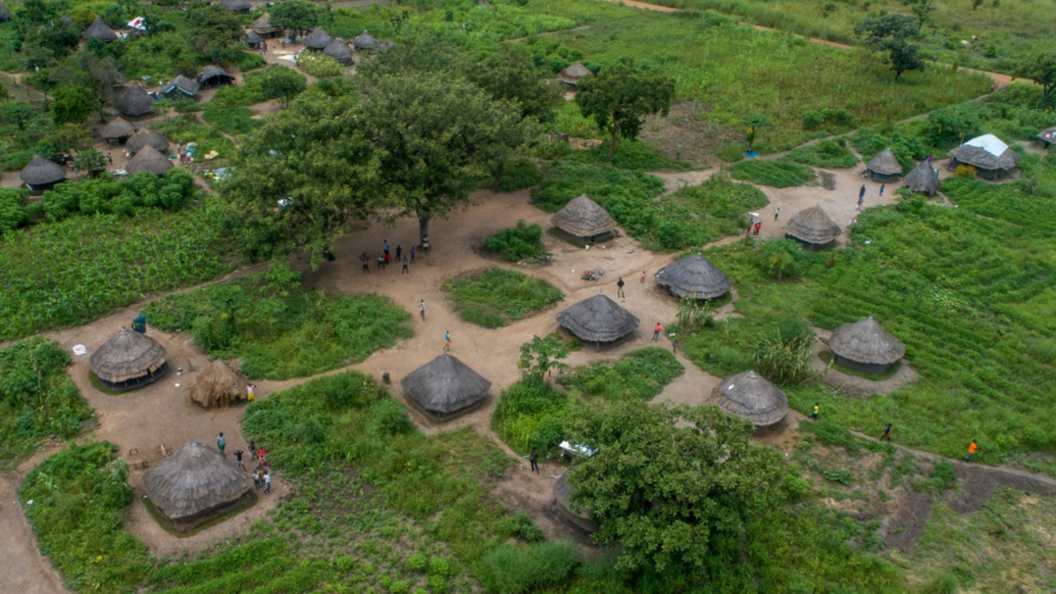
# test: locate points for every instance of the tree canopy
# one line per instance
(294, 15)
(73, 103)
(894, 33)
(1040, 67)
(214, 32)
(620, 96)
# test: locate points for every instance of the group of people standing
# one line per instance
(386, 258)
(262, 473)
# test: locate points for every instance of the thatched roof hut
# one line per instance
(254, 39)
(338, 50)
(884, 167)
(148, 159)
(195, 484)
(694, 277)
(135, 102)
(217, 385)
(365, 41)
(99, 30)
(866, 347)
(598, 319)
(213, 75)
(4, 14)
(583, 218)
(445, 385)
(147, 137)
(128, 360)
(750, 396)
(181, 84)
(385, 46)
(990, 156)
(318, 40)
(263, 27)
(580, 522)
(41, 174)
(573, 74)
(118, 130)
(924, 179)
(1048, 136)
(240, 6)
(813, 227)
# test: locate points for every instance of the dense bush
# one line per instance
(517, 243)
(496, 296)
(828, 154)
(512, 569)
(905, 147)
(639, 375)
(171, 191)
(566, 180)
(12, 212)
(530, 415)
(948, 126)
(630, 154)
(518, 174)
(232, 120)
(319, 65)
(779, 173)
(786, 357)
(37, 398)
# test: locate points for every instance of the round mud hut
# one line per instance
(573, 74)
(128, 361)
(580, 522)
(365, 41)
(598, 319)
(750, 396)
(865, 347)
(338, 50)
(584, 220)
(196, 484)
(445, 386)
(924, 179)
(812, 227)
(218, 385)
(118, 131)
(318, 40)
(147, 137)
(135, 103)
(150, 160)
(991, 158)
(99, 30)
(884, 167)
(694, 277)
(41, 174)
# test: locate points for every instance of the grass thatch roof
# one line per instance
(236, 5)
(866, 342)
(598, 319)
(365, 41)
(582, 217)
(750, 396)
(318, 39)
(1048, 135)
(695, 277)
(574, 73)
(263, 24)
(135, 102)
(187, 86)
(4, 14)
(128, 355)
(147, 137)
(148, 159)
(40, 171)
(924, 179)
(885, 164)
(99, 30)
(254, 38)
(812, 226)
(338, 50)
(193, 481)
(445, 385)
(212, 74)
(118, 128)
(217, 385)
(986, 152)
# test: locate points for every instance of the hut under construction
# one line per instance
(217, 385)
(584, 220)
(991, 158)
(694, 277)
(884, 167)
(813, 227)
(865, 347)
(598, 319)
(128, 361)
(100, 30)
(136, 102)
(573, 74)
(41, 174)
(148, 159)
(445, 387)
(924, 179)
(118, 131)
(580, 522)
(196, 484)
(147, 137)
(750, 396)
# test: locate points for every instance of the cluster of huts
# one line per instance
(319, 40)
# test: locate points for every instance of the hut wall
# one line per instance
(580, 240)
(811, 246)
(868, 368)
(884, 178)
(436, 417)
(38, 189)
(578, 523)
(191, 522)
(135, 383)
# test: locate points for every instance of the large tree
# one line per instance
(279, 82)
(674, 486)
(620, 96)
(294, 15)
(85, 69)
(1040, 67)
(73, 104)
(894, 34)
(214, 32)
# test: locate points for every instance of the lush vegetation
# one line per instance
(231, 120)
(278, 328)
(828, 154)
(778, 173)
(37, 398)
(496, 297)
(517, 243)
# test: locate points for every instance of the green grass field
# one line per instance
(496, 297)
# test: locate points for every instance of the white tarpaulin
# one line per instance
(138, 23)
(989, 143)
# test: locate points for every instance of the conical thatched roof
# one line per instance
(574, 73)
(118, 128)
(750, 396)
(135, 102)
(4, 14)
(598, 319)
(866, 342)
(318, 39)
(147, 137)
(695, 277)
(194, 480)
(236, 5)
(182, 83)
(1048, 135)
(986, 152)
(99, 30)
(365, 41)
(885, 163)
(445, 385)
(128, 355)
(254, 38)
(212, 73)
(923, 179)
(582, 217)
(148, 159)
(812, 226)
(40, 171)
(217, 385)
(338, 50)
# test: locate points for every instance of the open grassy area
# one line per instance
(778, 173)
(496, 297)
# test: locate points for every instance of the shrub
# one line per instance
(232, 120)
(522, 526)
(830, 154)
(639, 375)
(966, 171)
(319, 65)
(417, 562)
(529, 415)
(495, 297)
(12, 213)
(509, 569)
(787, 358)
(517, 243)
(777, 173)
(518, 174)
(566, 180)
(731, 153)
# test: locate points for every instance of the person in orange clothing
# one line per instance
(971, 451)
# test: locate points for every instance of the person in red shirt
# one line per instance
(656, 331)
(758, 226)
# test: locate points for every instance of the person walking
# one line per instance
(887, 433)
(238, 458)
(534, 459)
(674, 345)
(861, 193)
(366, 263)
(413, 252)
(405, 270)
(251, 392)
(447, 340)
(221, 443)
(817, 409)
(882, 190)
(619, 288)
(656, 331)
(267, 482)
(777, 213)
(971, 451)
(257, 478)
(399, 252)
(387, 243)
(253, 448)
(421, 309)
(642, 280)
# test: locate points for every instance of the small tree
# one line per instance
(1041, 68)
(541, 356)
(893, 34)
(753, 122)
(620, 96)
(90, 160)
(279, 82)
(73, 104)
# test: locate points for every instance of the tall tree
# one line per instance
(214, 32)
(1040, 67)
(894, 34)
(673, 485)
(620, 96)
(73, 103)
(294, 15)
(85, 69)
